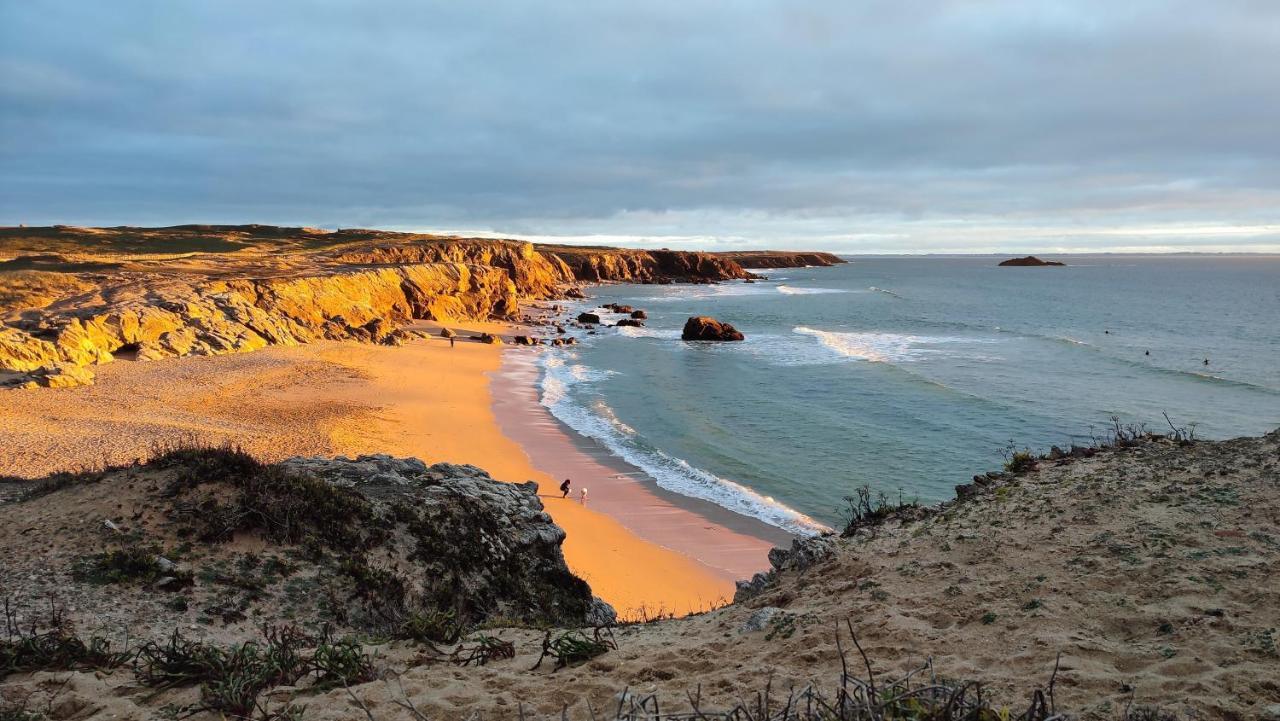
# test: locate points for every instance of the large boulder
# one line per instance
(639, 314)
(706, 328)
(591, 318)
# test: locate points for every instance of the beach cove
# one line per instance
(645, 552)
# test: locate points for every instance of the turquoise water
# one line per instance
(912, 374)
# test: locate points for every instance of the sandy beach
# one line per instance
(640, 550)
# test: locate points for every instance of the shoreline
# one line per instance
(728, 542)
(424, 399)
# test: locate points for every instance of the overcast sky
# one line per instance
(960, 125)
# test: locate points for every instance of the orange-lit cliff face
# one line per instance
(75, 296)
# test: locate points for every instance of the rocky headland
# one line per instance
(72, 298)
(762, 259)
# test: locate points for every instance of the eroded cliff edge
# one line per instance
(74, 297)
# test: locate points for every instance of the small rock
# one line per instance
(760, 620)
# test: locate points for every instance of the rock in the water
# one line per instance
(1029, 261)
(591, 318)
(526, 340)
(630, 322)
(639, 315)
(705, 328)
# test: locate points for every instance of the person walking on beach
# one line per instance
(564, 489)
(582, 496)
(451, 341)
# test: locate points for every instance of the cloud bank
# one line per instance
(952, 125)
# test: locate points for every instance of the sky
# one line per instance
(906, 127)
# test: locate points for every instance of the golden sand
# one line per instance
(425, 399)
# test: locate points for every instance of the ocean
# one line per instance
(909, 375)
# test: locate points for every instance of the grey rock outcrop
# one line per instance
(803, 554)
(479, 546)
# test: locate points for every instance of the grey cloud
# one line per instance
(741, 121)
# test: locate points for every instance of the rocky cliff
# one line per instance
(159, 317)
(594, 264)
(74, 297)
(781, 259)
(536, 275)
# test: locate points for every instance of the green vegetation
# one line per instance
(571, 648)
(232, 678)
(130, 564)
(864, 511)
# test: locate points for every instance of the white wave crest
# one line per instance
(597, 420)
(884, 347)
(646, 332)
(792, 290)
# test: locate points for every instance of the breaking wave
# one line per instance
(884, 347)
(595, 419)
(792, 290)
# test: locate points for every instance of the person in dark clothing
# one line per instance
(564, 489)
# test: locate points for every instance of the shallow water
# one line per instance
(912, 374)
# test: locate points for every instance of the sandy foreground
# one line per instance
(639, 550)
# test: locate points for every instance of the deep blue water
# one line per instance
(912, 374)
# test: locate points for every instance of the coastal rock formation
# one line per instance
(781, 259)
(389, 546)
(706, 328)
(483, 546)
(536, 275)
(170, 318)
(82, 296)
(1029, 261)
(632, 322)
(639, 315)
(591, 318)
(644, 266)
(803, 554)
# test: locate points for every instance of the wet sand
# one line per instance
(728, 542)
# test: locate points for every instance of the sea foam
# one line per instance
(793, 290)
(884, 347)
(593, 418)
